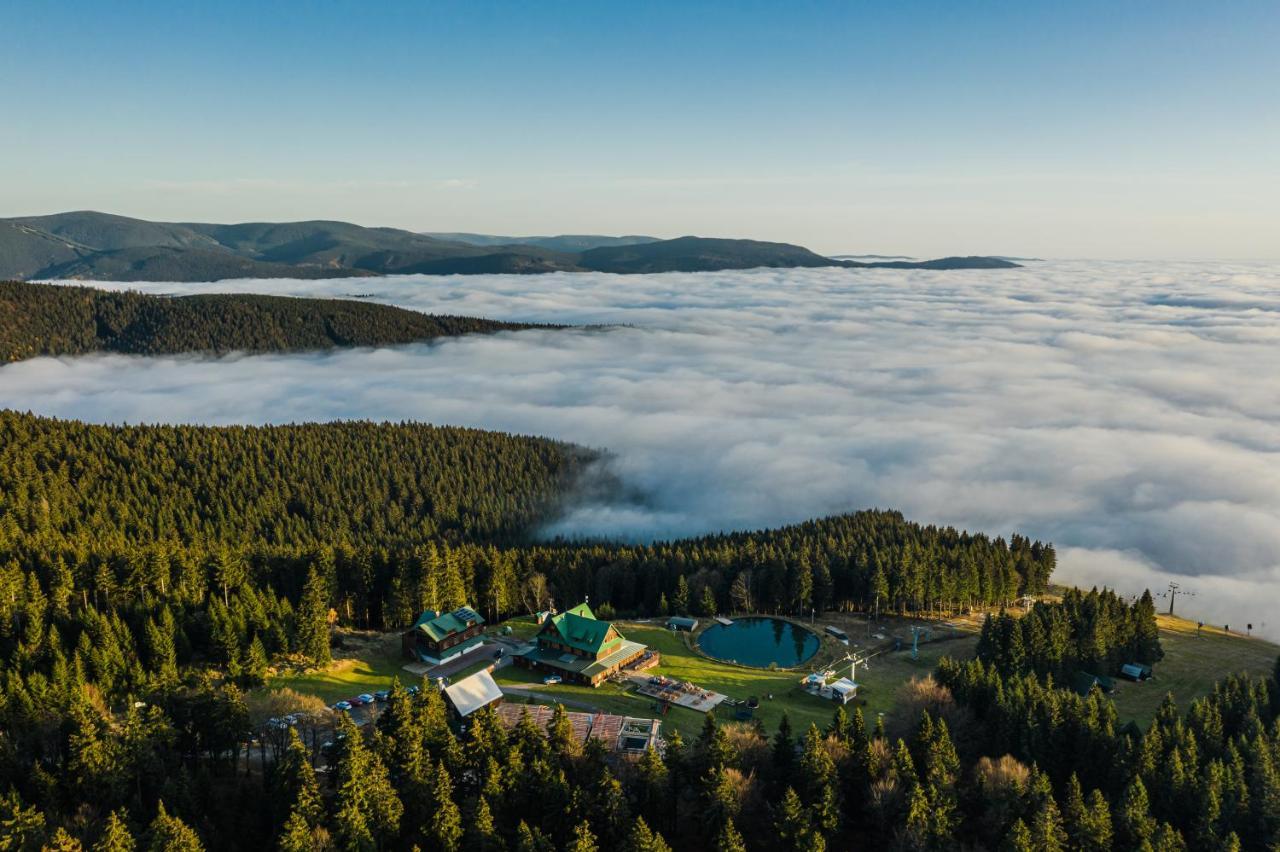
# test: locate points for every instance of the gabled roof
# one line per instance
(583, 610)
(439, 626)
(580, 629)
(844, 685)
(470, 694)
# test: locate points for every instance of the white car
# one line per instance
(550, 679)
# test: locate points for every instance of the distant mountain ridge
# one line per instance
(561, 242)
(99, 246)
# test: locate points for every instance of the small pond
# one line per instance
(759, 642)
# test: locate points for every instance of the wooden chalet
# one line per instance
(440, 636)
(580, 648)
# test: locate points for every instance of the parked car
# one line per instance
(366, 698)
(342, 706)
(382, 695)
(550, 679)
(356, 702)
(414, 690)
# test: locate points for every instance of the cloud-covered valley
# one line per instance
(1129, 412)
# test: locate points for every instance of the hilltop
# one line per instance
(48, 319)
(99, 246)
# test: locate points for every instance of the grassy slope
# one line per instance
(367, 663)
(1191, 665)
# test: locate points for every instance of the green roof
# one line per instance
(441, 626)
(580, 629)
(1083, 681)
(586, 666)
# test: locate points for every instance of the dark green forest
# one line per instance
(149, 576)
(46, 319)
(1096, 632)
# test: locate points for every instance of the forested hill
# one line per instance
(365, 499)
(67, 486)
(44, 319)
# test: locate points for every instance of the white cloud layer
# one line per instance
(1129, 412)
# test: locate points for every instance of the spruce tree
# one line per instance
(531, 839)
(1134, 825)
(446, 818)
(256, 663)
(680, 601)
(170, 834)
(650, 788)
(1168, 839)
(453, 592)
(367, 809)
(115, 835)
(840, 728)
(642, 839)
(817, 777)
(1095, 830)
(730, 840)
(1018, 839)
(313, 620)
(294, 788)
(62, 841)
(583, 839)
(1046, 828)
(791, 823)
(482, 835)
(784, 751)
(296, 835)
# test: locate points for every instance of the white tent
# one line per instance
(470, 694)
(844, 690)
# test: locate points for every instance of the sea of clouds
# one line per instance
(1128, 412)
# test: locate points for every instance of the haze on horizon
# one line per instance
(1081, 130)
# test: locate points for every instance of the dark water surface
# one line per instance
(759, 642)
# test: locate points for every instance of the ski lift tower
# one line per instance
(1174, 590)
(855, 659)
(915, 640)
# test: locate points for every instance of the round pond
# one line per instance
(759, 642)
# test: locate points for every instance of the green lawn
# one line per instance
(368, 664)
(1191, 665)
(522, 627)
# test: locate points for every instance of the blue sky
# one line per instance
(1082, 129)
